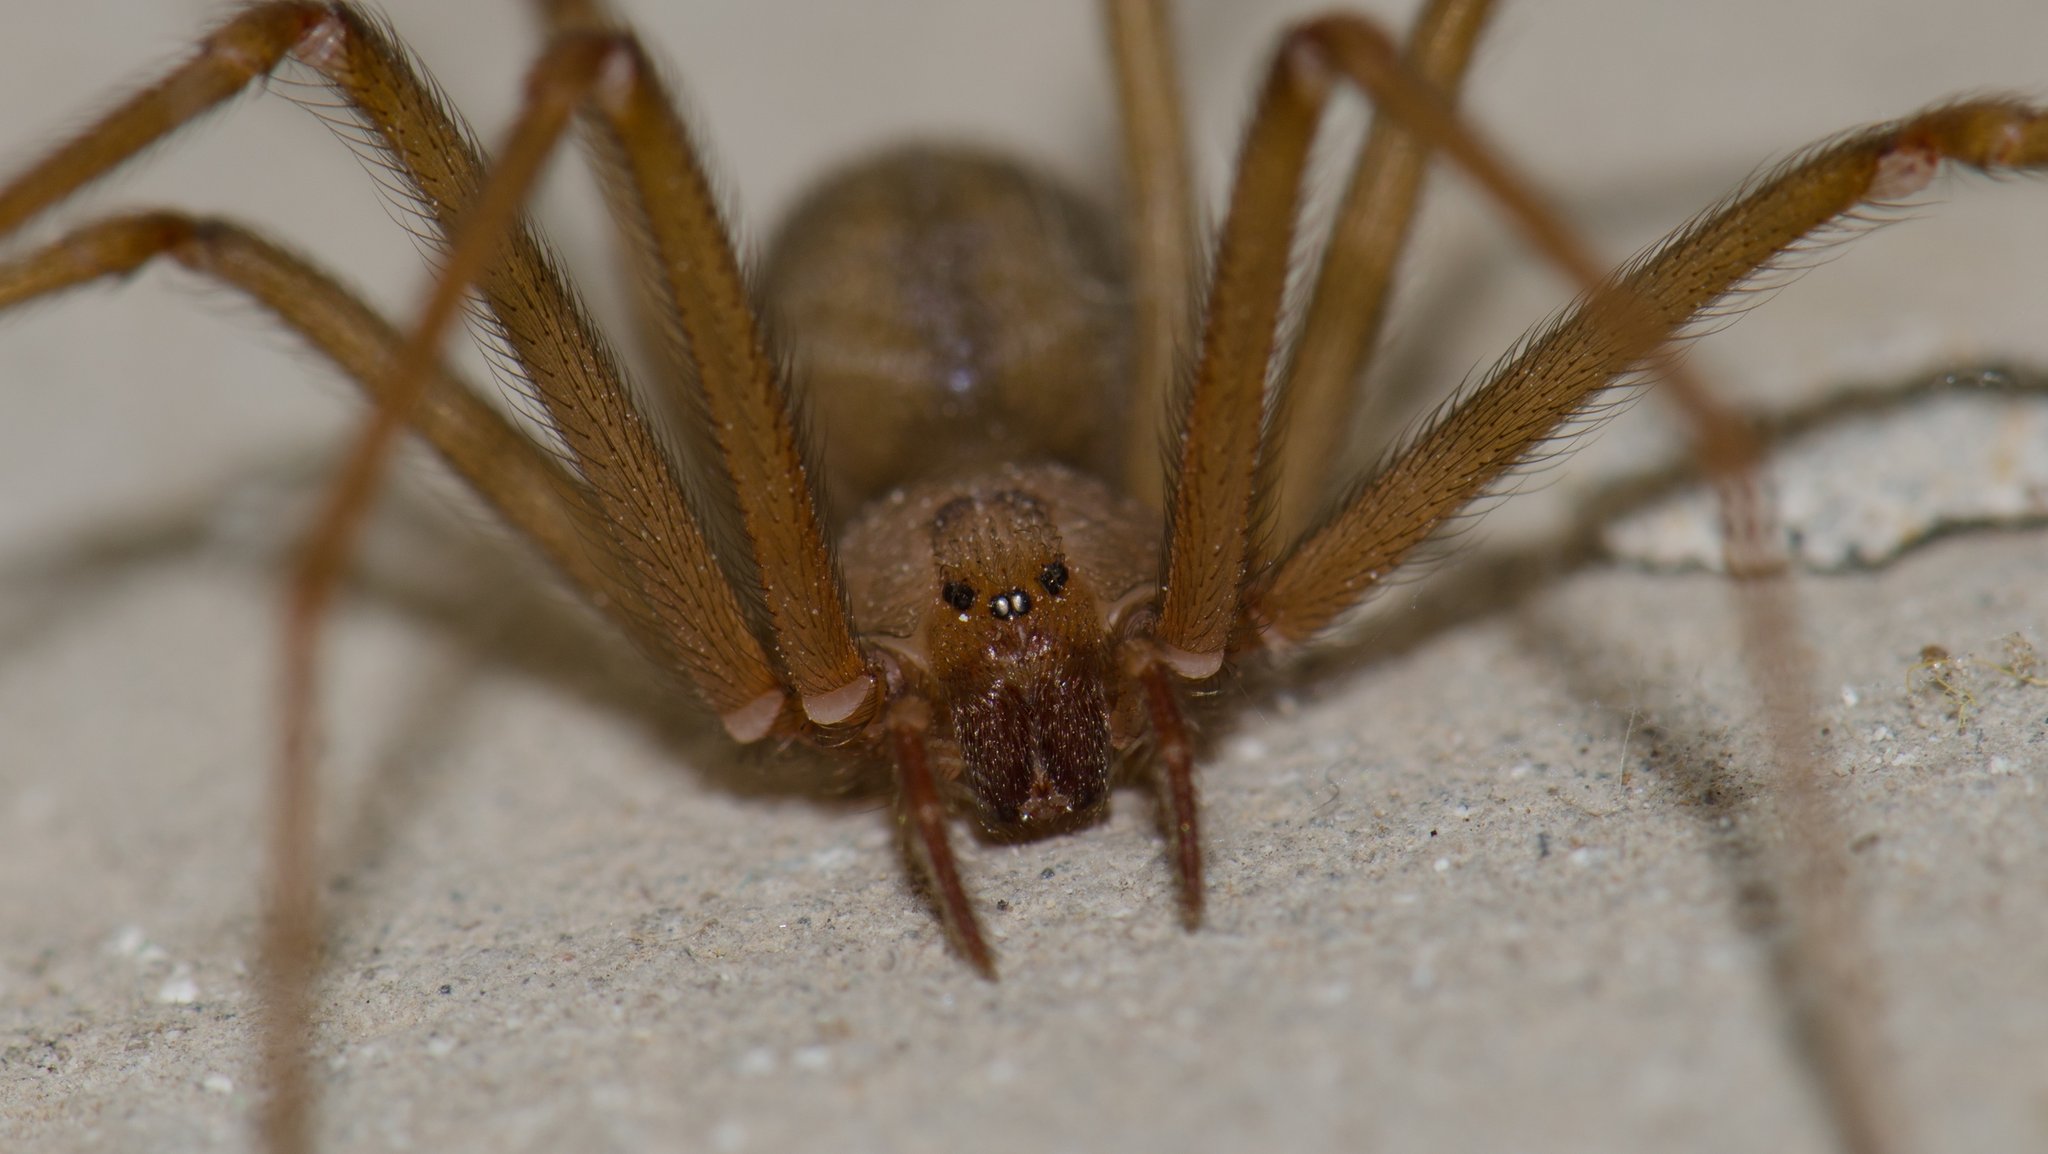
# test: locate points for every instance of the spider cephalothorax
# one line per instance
(1005, 598)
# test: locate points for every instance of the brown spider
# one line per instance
(1038, 591)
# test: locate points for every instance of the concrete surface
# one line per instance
(1488, 881)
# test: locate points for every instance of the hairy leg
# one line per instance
(1160, 197)
(1623, 324)
(542, 322)
(518, 478)
(659, 185)
(1209, 521)
(1347, 308)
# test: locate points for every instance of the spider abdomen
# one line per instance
(946, 311)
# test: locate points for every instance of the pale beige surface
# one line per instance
(1493, 887)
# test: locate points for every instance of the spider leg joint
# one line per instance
(752, 721)
(841, 703)
(1191, 666)
(1903, 171)
(616, 79)
(323, 45)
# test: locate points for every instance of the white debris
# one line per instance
(179, 989)
(128, 941)
(1862, 488)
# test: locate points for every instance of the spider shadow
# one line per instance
(1692, 766)
(434, 559)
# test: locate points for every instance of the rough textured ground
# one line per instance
(1494, 880)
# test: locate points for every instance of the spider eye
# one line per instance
(959, 595)
(1053, 578)
(1004, 606)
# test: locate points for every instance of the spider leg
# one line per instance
(653, 530)
(518, 478)
(1217, 489)
(247, 47)
(1176, 756)
(924, 818)
(1625, 321)
(658, 182)
(1218, 482)
(1319, 389)
(1163, 234)
(1209, 519)
(556, 84)
(694, 623)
